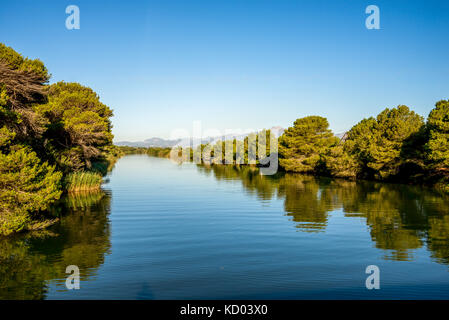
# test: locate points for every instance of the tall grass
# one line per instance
(82, 181)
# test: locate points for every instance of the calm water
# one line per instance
(166, 231)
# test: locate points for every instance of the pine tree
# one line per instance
(26, 186)
(378, 143)
(79, 125)
(303, 147)
(438, 144)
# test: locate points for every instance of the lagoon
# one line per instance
(161, 230)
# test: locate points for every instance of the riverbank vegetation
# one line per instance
(395, 146)
(53, 138)
(82, 181)
(151, 151)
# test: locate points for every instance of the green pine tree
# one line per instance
(303, 147)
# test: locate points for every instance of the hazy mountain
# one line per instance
(186, 142)
(152, 142)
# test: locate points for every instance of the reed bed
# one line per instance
(82, 181)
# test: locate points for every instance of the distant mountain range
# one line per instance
(186, 142)
(152, 142)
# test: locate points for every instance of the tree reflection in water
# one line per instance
(400, 218)
(29, 261)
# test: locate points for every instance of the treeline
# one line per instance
(254, 148)
(151, 151)
(397, 145)
(132, 150)
(159, 152)
(248, 151)
(52, 138)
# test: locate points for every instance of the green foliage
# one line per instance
(302, 147)
(257, 146)
(132, 150)
(159, 152)
(6, 136)
(438, 126)
(378, 144)
(340, 163)
(26, 185)
(78, 125)
(437, 146)
(239, 156)
(22, 83)
(43, 129)
(250, 145)
(3, 98)
(15, 61)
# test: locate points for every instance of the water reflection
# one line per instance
(28, 262)
(400, 218)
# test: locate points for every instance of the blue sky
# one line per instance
(239, 64)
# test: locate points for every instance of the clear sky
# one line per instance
(239, 64)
